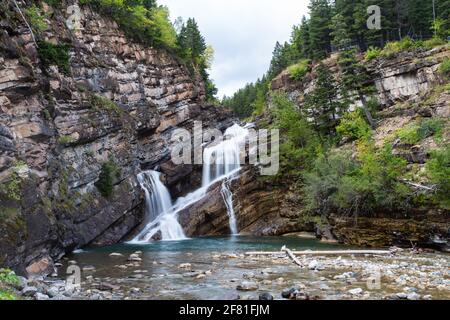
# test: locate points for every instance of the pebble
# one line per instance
(185, 266)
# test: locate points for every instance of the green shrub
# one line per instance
(434, 42)
(65, 140)
(110, 171)
(354, 126)
(438, 170)
(415, 132)
(372, 53)
(444, 68)
(392, 48)
(141, 20)
(36, 18)
(8, 277)
(12, 189)
(102, 103)
(6, 295)
(54, 54)
(299, 70)
(300, 143)
(366, 184)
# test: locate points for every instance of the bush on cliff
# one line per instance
(353, 126)
(109, 173)
(438, 170)
(141, 20)
(54, 54)
(362, 184)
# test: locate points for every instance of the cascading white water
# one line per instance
(220, 162)
(228, 198)
(159, 214)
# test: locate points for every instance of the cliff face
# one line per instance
(111, 114)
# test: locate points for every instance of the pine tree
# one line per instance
(191, 41)
(322, 104)
(340, 31)
(354, 81)
(319, 28)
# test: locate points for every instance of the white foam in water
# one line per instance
(220, 162)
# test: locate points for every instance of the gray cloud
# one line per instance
(242, 32)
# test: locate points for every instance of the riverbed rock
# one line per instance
(356, 291)
(29, 291)
(265, 296)
(247, 286)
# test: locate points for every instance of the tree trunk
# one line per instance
(366, 110)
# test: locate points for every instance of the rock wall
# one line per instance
(116, 106)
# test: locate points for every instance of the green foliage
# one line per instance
(372, 53)
(36, 18)
(99, 102)
(300, 143)
(248, 100)
(322, 105)
(438, 170)
(434, 42)
(8, 277)
(444, 68)
(6, 295)
(415, 132)
(109, 173)
(353, 126)
(142, 20)
(12, 189)
(54, 54)
(394, 47)
(299, 70)
(65, 140)
(362, 185)
(196, 53)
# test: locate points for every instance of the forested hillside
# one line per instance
(340, 25)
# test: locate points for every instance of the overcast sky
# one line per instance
(242, 32)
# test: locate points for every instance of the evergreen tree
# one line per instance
(319, 28)
(322, 104)
(354, 82)
(340, 34)
(191, 41)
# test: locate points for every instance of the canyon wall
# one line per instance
(110, 114)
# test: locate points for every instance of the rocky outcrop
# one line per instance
(111, 113)
(404, 76)
(260, 209)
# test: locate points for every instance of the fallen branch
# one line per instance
(26, 22)
(419, 186)
(292, 256)
(321, 253)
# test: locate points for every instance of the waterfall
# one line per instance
(221, 162)
(228, 198)
(158, 210)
